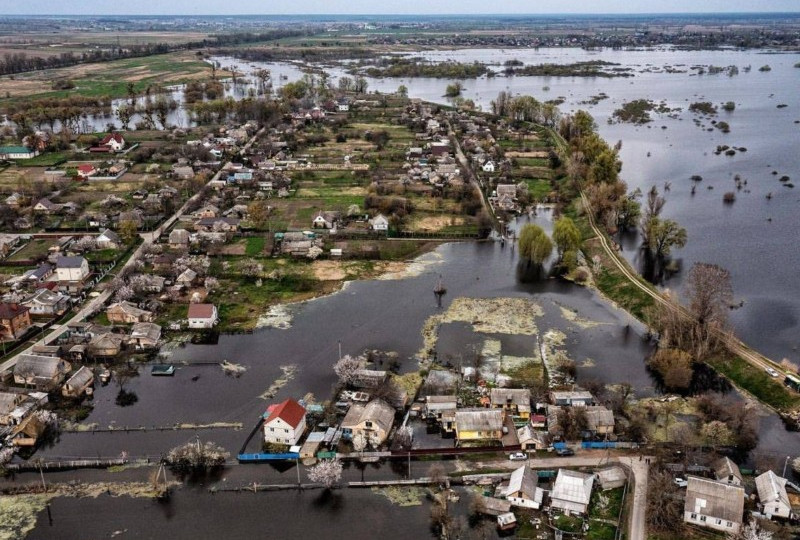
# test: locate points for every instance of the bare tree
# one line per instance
(327, 472)
(710, 294)
(664, 503)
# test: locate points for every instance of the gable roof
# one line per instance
(772, 488)
(128, 308)
(31, 365)
(70, 262)
(108, 234)
(599, 416)
(46, 297)
(82, 377)
(85, 168)
(201, 311)
(11, 311)
(377, 411)
(289, 411)
(715, 499)
(479, 420)
(724, 467)
(523, 481)
(48, 204)
(573, 486)
(116, 137)
(519, 397)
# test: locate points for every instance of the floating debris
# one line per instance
(288, 374)
(402, 496)
(232, 369)
(572, 316)
(277, 316)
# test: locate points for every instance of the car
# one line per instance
(564, 452)
(518, 456)
(680, 482)
(771, 372)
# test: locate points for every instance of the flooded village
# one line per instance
(360, 313)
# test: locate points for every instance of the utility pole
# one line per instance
(340, 349)
(785, 463)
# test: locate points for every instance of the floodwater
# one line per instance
(754, 238)
(386, 315)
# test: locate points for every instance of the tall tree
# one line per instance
(534, 244)
(566, 236)
(663, 235)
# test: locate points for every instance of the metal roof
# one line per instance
(715, 499)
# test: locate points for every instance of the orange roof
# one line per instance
(289, 411)
(201, 311)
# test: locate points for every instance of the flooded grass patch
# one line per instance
(402, 496)
(288, 374)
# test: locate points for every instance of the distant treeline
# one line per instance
(592, 68)
(412, 67)
(21, 62)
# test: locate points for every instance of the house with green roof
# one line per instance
(17, 152)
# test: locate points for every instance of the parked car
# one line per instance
(564, 452)
(772, 372)
(518, 456)
(680, 482)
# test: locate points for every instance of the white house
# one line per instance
(202, 315)
(113, 141)
(713, 504)
(379, 223)
(572, 491)
(522, 489)
(108, 239)
(17, 152)
(343, 105)
(71, 272)
(772, 494)
(489, 166)
(286, 423)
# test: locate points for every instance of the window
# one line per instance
(286, 431)
(730, 524)
(272, 429)
(702, 518)
(719, 522)
(368, 423)
(694, 516)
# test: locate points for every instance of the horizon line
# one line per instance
(481, 14)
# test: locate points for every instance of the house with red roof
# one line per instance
(285, 423)
(113, 141)
(86, 170)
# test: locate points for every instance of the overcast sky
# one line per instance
(465, 7)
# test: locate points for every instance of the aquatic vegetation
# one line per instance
(402, 496)
(277, 316)
(288, 374)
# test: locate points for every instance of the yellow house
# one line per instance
(516, 402)
(479, 425)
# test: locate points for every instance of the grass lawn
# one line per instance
(568, 523)
(255, 246)
(48, 159)
(33, 250)
(601, 531)
(767, 389)
(538, 188)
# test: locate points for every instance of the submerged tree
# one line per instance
(566, 236)
(195, 456)
(327, 472)
(346, 368)
(534, 244)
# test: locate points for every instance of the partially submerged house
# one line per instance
(145, 335)
(42, 372)
(572, 491)
(479, 425)
(105, 345)
(713, 504)
(77, 385)
(372, 421)
(285, 423)
(772, 495)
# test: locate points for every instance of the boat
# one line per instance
(163, 370)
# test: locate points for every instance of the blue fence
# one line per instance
(559, 445)
(254, 458)
(601, 445)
